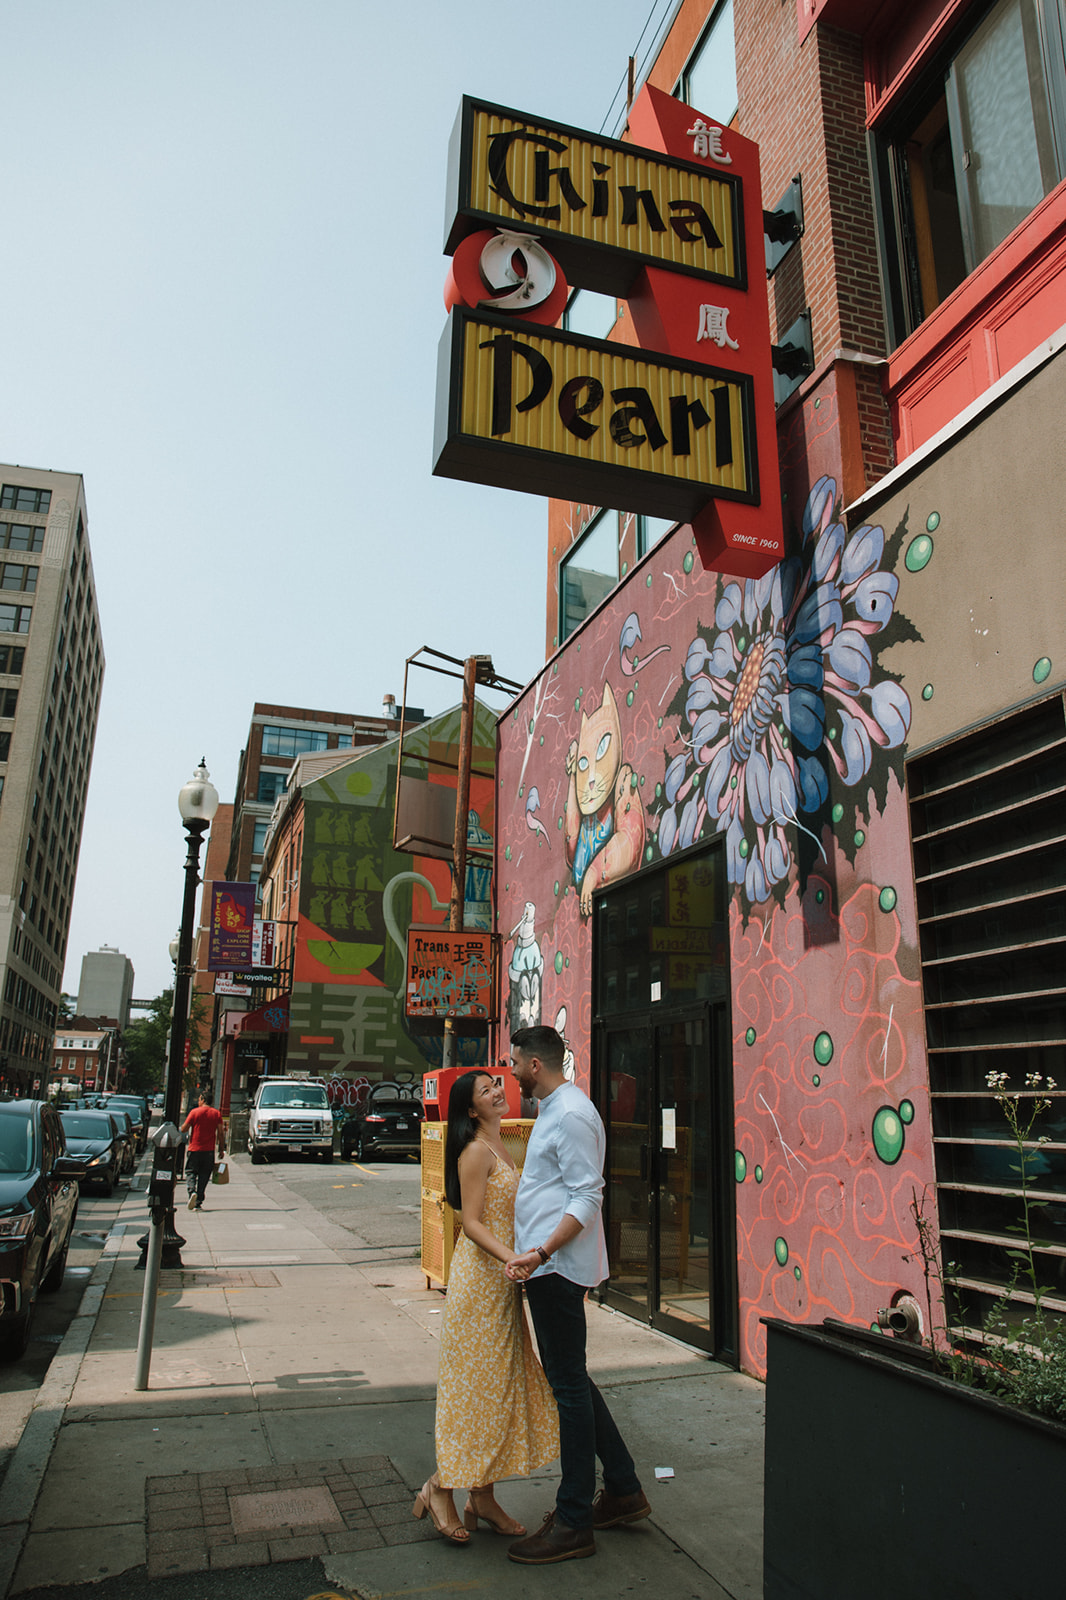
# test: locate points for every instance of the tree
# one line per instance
(144, 1044)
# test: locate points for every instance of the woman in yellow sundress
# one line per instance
(496, 1415)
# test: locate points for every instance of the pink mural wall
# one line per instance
(764, 713)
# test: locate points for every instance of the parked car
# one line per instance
(383, 1126)
(96, 1138)
(127, 1133)
(38, 1205)
(140, 1115)
(290, 1114)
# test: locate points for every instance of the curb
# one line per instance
(29, 1462)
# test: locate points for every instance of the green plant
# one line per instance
(1021, 1362)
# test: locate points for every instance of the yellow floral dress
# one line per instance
(496, 1415)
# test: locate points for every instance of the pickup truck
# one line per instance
(290, 1114)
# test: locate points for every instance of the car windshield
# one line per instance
(17, 1146)
(82, 1125)
(296, 1096)
(125, 1102)
(394, 1108)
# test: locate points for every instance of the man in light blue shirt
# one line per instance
(561, 1254)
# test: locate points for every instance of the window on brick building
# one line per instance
(978, 142)
(11, 659)
(13, 575)
(591, 314)
(259, 834)
(709, 80)
(292, 741)
(588, 572)
(269, 785)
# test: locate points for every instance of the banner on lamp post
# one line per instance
(230, 926)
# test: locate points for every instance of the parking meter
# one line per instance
(166, 1168)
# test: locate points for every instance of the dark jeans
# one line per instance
(586, 1427)
(199, 1165)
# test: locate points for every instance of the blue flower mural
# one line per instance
(781, 696)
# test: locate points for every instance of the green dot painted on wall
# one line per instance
(887, 898)
(507, 853)
(932, 521)
(919, 553)
(556, 886)
(642, 780)
(529, 725)
(927, 692)
(817, 1080)
(758, 1174)
(819, 896)
(744, 849)
(660, 722)
(689, 561)
(785, 741)
(629, 698)
(838, 812)
(542, 738)
(906, 1112)
(568, 961)
(696, 776)
(742, 644)
(733, 781)
(832, 733)
(797, 1273)
(625, 568)
(740, 1165)
(359, 783)
(781, 1252)
(577, 703)
(860, 838)
(559, 962)
(888, 1135)
(658, 791)
(750, 1036)
(649, 852)
(559, 823)
(647, 581)
(1042, 670)
(818, 405)
(521, 790)
(823, 1049)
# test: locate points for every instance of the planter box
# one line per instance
(884, 1479)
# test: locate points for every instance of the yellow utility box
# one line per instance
(440, 1224)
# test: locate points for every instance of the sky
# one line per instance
(222, 304)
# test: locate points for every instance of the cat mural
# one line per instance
(604, 813)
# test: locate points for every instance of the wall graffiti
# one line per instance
(766, 713)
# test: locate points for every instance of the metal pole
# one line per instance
(162, 1230)
(457, 907)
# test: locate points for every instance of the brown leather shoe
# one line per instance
(554, 1542)
(611, 1510)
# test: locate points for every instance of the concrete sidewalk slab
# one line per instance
(261, 1363)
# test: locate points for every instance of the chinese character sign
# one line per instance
(449, 974)
(230, 926)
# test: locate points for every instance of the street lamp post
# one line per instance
(197, 803)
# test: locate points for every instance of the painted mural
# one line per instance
(357, 899)
(766, 714)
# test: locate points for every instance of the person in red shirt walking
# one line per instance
(205, 1128)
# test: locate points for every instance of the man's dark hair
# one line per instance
(543, 1042)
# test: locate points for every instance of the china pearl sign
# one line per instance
(683, 426)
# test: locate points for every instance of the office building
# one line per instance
(106, 986)
(51, 672)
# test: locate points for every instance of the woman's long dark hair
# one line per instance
(461, 1129)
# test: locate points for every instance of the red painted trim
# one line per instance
(904, 36)
(1015, 299)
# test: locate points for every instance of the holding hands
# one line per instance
(520, 1267)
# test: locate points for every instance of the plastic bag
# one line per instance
(221, 1172)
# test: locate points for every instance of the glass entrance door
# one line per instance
(669, 1222)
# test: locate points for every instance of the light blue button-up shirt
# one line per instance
(563, 1174)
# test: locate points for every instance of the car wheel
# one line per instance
(17, 1335)
(108, 1186)
(257, 1156)
(53, 1278)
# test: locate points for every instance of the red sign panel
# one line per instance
(450, 974)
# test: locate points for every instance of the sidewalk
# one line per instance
(289, 1415)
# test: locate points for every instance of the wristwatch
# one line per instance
(542, 1253)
